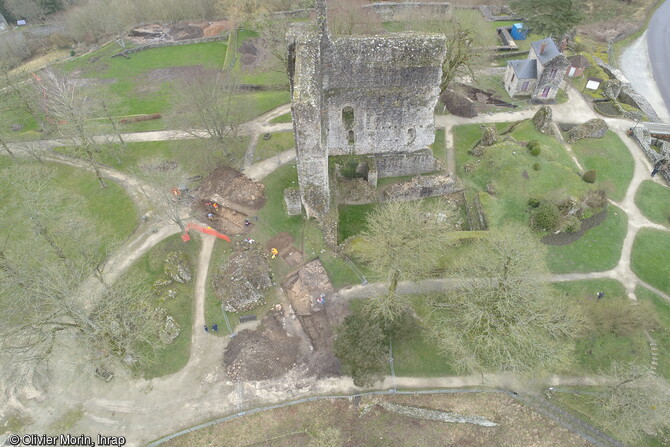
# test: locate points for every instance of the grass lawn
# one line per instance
(194, 156)
(598, 250)
(352, 219)
(109, 209)
(662, 335)
(438, 147)
(508, 167)
(150, 266)
(278, 143)
(595, 352)
(653, 200)
(611, 159)
(272, 217)
(285, 118)
(582, 406)
(416, 356)
(649, 260)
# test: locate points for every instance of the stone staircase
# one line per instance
(654, 355)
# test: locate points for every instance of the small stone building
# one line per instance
(578, 64)
(363, 95)
(540, 75)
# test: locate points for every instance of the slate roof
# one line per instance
(550, 51)
(524, 69)
(579, 61)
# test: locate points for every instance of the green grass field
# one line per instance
(150, 266)
(598, 250)
(653, 200)
(278, 143)
(611, 159)
(649, 260)
(109, 209)
(196, 157)
(285, 118)
(438, 147)
(596, 352)
(661, 335)
(508, 168)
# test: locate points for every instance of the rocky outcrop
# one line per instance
(543, 121)
(177, 267)
(595, 128)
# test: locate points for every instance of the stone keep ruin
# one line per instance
(366, 95)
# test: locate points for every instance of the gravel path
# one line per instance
(143, 410)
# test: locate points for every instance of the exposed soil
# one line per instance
(568, 238)
(262, 354)
(253, 53)
(223, 219)
(233, 190)
(179, 31)
(283, 243)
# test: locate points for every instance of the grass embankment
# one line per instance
(649, 260)
(150, 267)
(653, 200)
(611, 159)
(278, 143)
(662, 334)
(517, 176)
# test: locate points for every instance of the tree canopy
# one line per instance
(548, 17)
(503, 316)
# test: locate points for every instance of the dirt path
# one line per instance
(143, 410)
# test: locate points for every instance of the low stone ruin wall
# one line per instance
(643, 137)
(628, 93)
(492, 16)
(170, 43)
(390, 12)
(396, 165)
(421, 187)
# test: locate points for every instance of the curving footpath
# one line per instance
(143, 410)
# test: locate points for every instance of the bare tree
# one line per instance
(240, 11)
(635, 405)
(504, 316)
(347, 17)
(49, 297)
(69, 108)
(206, 106)
(404, 241)
(166, 188)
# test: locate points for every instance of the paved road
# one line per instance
(658, 41)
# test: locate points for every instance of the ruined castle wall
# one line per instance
(396, 165)
(312, 156)
(390, 85)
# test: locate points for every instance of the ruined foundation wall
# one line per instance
(396, 165)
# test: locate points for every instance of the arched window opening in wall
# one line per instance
(411, 135)
(348, 117)
(350, 137)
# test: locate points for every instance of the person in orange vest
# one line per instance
(274, 253)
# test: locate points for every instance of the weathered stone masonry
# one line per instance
(358, 95)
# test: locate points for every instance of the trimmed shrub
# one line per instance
(536, 166)
(533, 202)
(589, 176)
(546, 217)
(534, 147)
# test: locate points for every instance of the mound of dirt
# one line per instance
(232, 189)
(263, 354)
(242, 281)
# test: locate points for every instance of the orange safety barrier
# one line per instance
(191, 226)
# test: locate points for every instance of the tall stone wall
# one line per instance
(358, 95)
